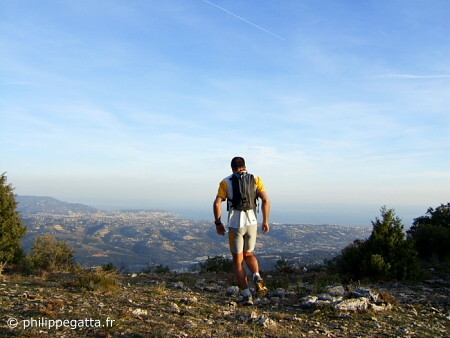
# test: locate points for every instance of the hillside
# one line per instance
(135, 239)
(50, 205)
(205, 305)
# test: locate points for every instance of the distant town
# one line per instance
(135, 240)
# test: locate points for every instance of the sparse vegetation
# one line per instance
(97, 280)
(152, 305)
(51, 255)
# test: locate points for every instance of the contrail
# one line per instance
(245, 20)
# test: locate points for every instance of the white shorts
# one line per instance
(242, 239)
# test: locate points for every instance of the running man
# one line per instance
(242, 230)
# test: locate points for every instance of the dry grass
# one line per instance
(186, 305)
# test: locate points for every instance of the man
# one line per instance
(242, 226)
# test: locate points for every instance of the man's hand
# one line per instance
(265, 228)
(220, 229)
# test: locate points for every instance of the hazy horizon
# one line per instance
(346, 215)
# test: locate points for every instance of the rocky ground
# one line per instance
(205, 305)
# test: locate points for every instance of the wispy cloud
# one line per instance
(245, 20)
(412, 76)
(18, 83)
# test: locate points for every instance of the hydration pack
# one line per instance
(244, 191)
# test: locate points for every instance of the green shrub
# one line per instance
(160, 269)
(51, 255)
(109, 267)
(217, 264)
(283, 266)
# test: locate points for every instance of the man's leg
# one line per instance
(241, 275)
(236, 245)
(251, 262)
(249, 248)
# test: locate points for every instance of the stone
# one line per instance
(233, 290)
(353, 304)
(266, 322)
(279, 292)
(178, 285)
(139, 312)
(380, 307)
(337, 290)
(173, 307)
(366, 293)
(325, 296)
(309, 301)
(213, 288)
(190, 300)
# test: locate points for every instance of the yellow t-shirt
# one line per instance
(236, 218)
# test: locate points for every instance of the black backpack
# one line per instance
(244, 191)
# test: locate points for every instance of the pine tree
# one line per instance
(431, 233)
(392, 256)
(12, 228)
(386, 254)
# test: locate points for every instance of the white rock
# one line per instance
(178, 285)
(266, 322)
(233, 290)
(325, 296)
(353, 304)
(309, 301)
(139, 312)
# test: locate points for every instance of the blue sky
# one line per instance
(340, 106)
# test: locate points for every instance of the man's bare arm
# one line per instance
(265, 208)
(217, 210)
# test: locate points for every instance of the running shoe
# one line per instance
(261, 289)
(246, 300)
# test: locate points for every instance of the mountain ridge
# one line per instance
(39, 204)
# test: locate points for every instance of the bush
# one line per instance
(283, 266)
(160, 269)
(217, 264)
(51, 255)
(386, 254)
(97, 280)
(431, 233)
(109, 267)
